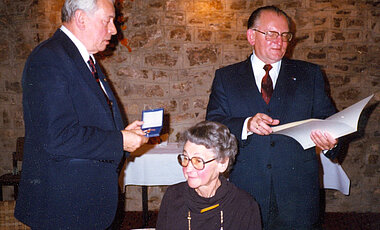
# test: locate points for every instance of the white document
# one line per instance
(339, 124)
(334, 176)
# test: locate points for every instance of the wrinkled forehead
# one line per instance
(272, 17)
(197, 150)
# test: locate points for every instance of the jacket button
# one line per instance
(272, 143)
(269, 166)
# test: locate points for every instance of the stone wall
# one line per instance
(166, 54)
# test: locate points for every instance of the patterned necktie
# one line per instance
(266, 84)
(96, 76)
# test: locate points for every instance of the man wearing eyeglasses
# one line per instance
(263, 91)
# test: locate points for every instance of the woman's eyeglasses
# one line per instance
(273, 35)
(197, 162)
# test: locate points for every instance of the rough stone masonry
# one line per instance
(166, 54)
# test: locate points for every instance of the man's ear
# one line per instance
(80, 18)
(251, 36)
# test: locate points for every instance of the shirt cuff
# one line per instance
(326, 150)
(245, 133)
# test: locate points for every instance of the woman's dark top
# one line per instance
(239, 209)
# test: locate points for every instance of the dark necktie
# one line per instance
(266, 84)
(96, 76)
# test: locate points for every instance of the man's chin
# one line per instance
(104, 44)
(277, 57)
(102, 48)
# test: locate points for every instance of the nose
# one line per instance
(278, 40)
(189, 167)
(112, 28)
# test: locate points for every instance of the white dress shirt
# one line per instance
(259, 73)
(82, 50)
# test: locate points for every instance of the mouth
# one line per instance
(191, 176)
(276, 48)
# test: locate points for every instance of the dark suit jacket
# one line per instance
(299, 94)
(73, 143)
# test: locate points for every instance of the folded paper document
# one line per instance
(339, 124)
(334, 177)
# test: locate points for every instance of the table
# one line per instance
(153, 165)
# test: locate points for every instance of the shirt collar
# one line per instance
(259, 72)
(82, 49)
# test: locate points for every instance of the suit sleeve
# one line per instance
(323, 106)
(52, 118)
(218, 108)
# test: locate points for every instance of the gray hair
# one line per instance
(214, 136)
(70, 6)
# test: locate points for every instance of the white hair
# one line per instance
(70, 6)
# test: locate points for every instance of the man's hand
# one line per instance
(323, 141)
(133, 136)
(260, 124)
(136, 125)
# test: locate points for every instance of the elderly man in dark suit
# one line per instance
(264, 90)
(74, 133)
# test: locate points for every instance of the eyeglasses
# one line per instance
(273, 35)
(197, 162)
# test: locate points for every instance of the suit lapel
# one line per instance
(84, 72)
(103, 79)
(283, 94)
(247, 83)
(111, 96)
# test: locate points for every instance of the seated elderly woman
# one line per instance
(207, 200)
